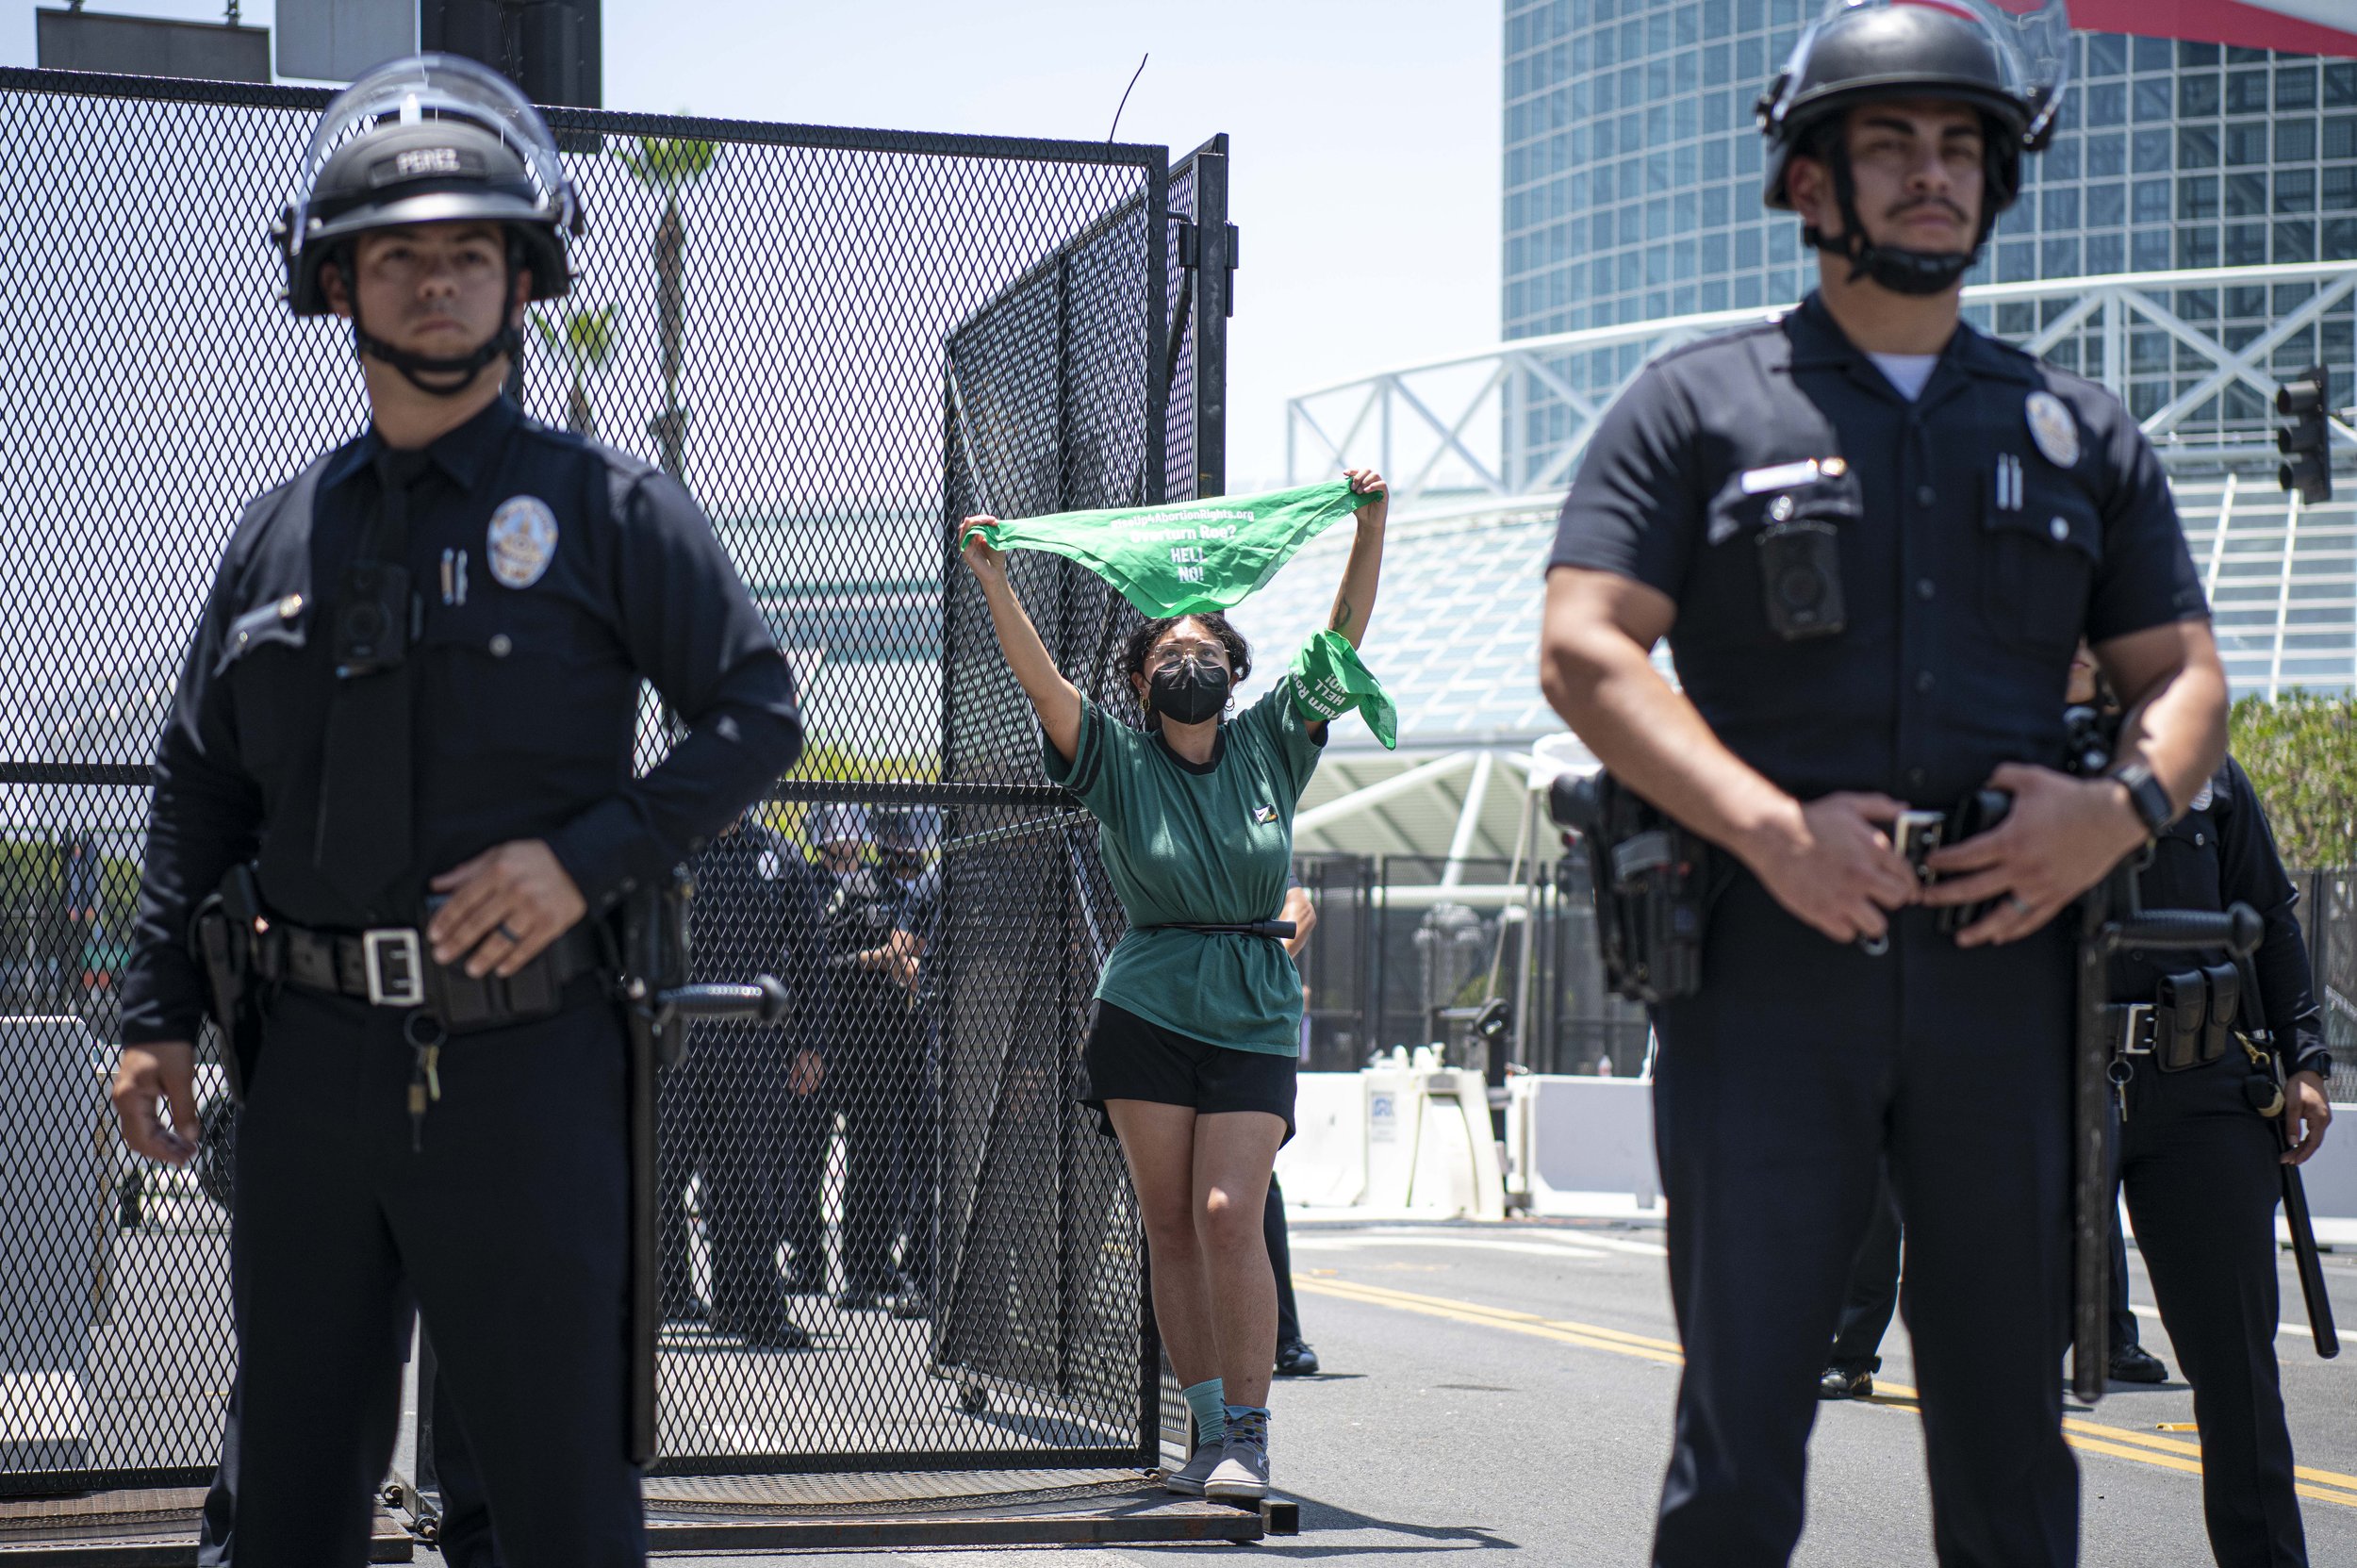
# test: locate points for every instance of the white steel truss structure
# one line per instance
(2195, 354)
(1507, 425)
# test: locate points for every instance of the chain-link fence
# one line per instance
(1407, 955)
(2327, 918)
(889, 1241)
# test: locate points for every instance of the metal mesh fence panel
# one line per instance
(890, 1239)
(2328, 916)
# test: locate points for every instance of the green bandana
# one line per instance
(1328, 680)
(1188, 556)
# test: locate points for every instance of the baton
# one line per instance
(2110, 920)
(2309, 1266)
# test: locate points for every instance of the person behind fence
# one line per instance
(402, 745)
(877, 927)
(906, 840)
(1192, 1059)
(837, 834)
(1294, 1358)
(726, 1102)
(1872, 536)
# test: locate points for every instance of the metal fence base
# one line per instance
(156, 1528)
(998, 1508)
(150, 1527)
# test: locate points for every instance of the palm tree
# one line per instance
(671, 165)
(585, 342)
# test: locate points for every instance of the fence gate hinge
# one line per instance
(1189, 244)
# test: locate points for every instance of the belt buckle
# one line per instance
(396, 966)
(2137, 1032)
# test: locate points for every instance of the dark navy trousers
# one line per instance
(1874, 1293)
(1782, 1092)
(2199, 1171)
(507, 1229)
(465, 1539)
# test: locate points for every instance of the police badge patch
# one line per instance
(2053, 428)
(522, 541)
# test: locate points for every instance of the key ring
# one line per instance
(409, 1031)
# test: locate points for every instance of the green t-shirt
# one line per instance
(1210, 844)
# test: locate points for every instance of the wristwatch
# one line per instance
(2146, 795)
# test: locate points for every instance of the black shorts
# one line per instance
(1133, 1058)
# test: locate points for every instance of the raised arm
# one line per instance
(1354, 602)
(1056, 699)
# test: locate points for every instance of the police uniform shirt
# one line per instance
(2222, 853)
(861, 914)
(554, 575)
(1981, 527)
(756, 910)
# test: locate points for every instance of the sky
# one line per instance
(1365, 137)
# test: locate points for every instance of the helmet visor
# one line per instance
(2031, 38)
(420, 88)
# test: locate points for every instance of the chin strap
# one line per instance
(1894, 266)
(415, 368)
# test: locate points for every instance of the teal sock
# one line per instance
(1248, 1423)
(1209, 1400)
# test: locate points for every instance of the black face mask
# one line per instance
(1188, 690)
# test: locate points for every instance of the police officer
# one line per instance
(2199, 1165)
(877, 925)
(906, 842)
(1873, 537)
(411, 703)
(723, 1104)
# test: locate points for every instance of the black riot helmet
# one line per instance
(2009, 59)
(429, 138)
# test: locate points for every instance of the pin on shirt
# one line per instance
(2008, 482)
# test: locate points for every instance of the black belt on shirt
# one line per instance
(392, 967)
(1276, 931)
(2131, 1026)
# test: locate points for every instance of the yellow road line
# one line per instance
(2091, 1437)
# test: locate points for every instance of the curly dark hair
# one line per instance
(1147, 634)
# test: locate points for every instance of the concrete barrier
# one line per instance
(2331, 1179)
(1325, 1165)
(1407, 1137)
(1581, 1145)
(53, 1200)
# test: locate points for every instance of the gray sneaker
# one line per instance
(1187, 1480)
(1242, 1473)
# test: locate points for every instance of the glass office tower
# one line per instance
(1633, 196)
(1633, 162)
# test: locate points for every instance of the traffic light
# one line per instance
(2304, 441)
(549, 48)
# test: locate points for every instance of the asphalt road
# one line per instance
(1507, 1389)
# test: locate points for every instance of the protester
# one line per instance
(1192, 1059)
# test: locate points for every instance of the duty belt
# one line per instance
(392, 966)
(2132, 1027)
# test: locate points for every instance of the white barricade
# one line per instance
(1581, 1145)
(1406, 1136)
(1325, 1165)
(53, 1203)
(2331, 1179)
